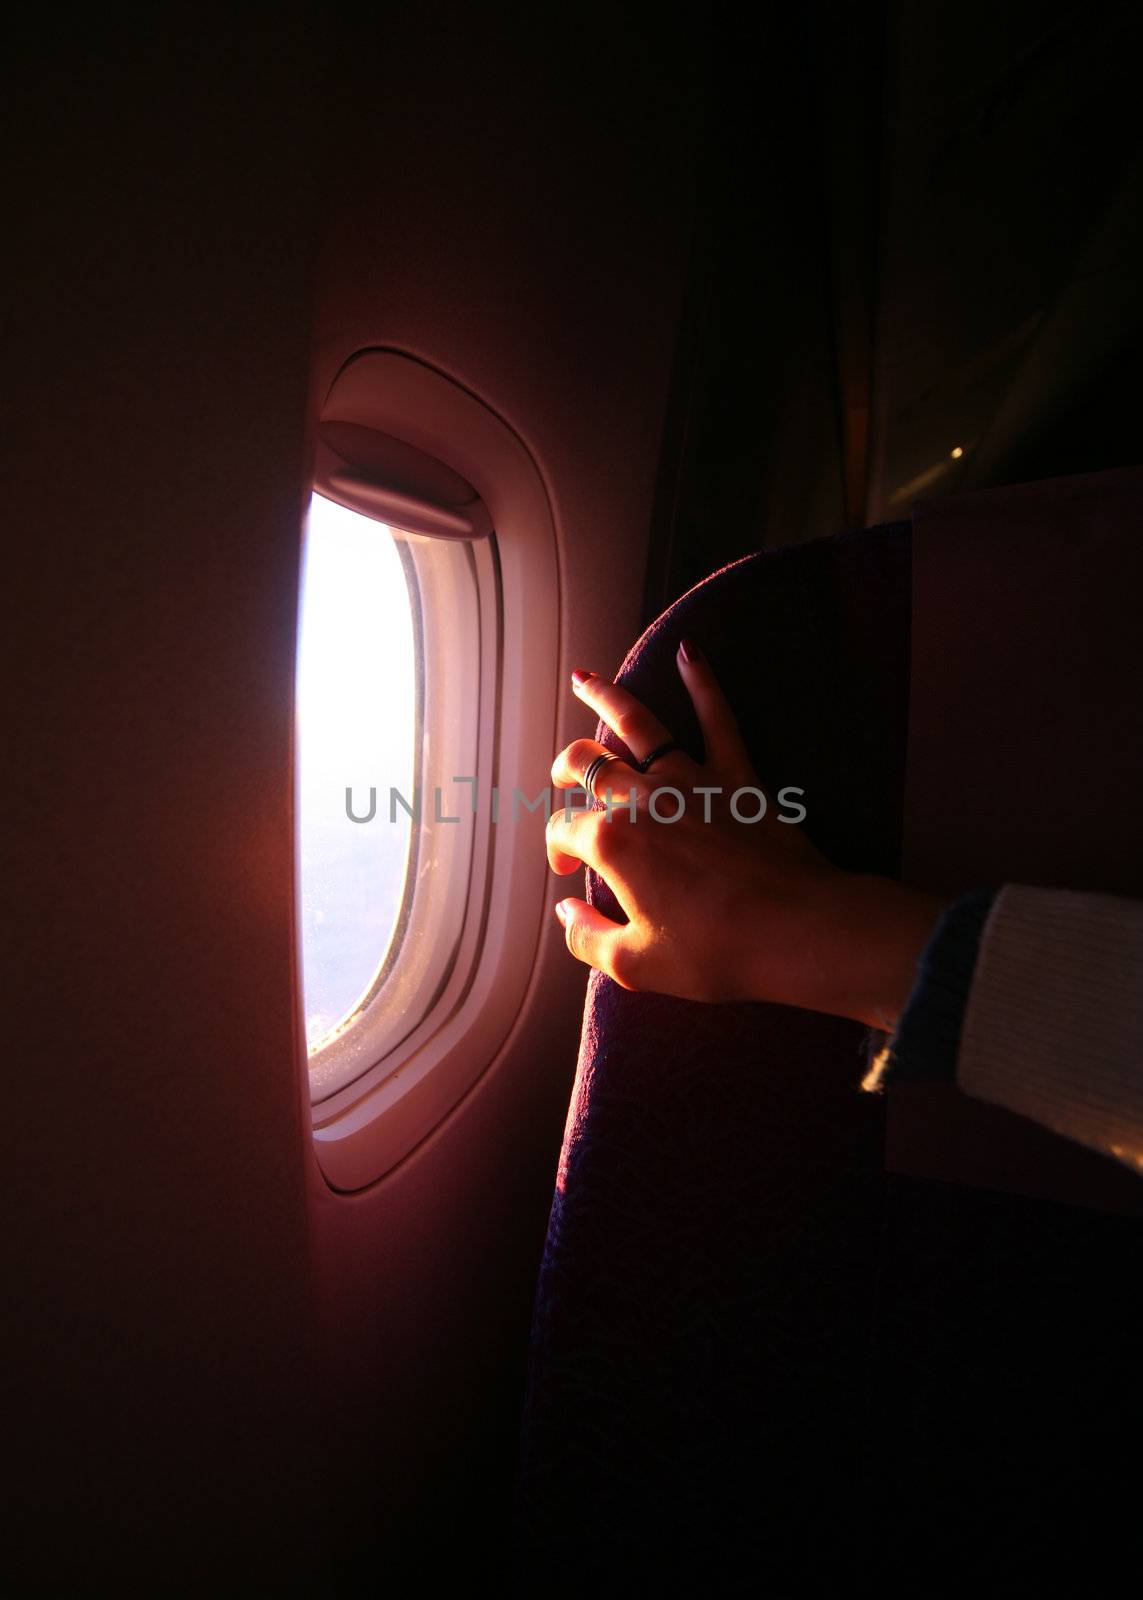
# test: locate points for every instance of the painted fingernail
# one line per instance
(579, 678)
(690, 651)
(562, 912)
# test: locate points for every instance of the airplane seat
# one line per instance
(705, 1295)
(754, 1349)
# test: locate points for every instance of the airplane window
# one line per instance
(397, 632)
(427, 685)
(356, 739)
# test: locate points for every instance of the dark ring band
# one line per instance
(594, 768)
(656, 755)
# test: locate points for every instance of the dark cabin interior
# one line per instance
(755, 278)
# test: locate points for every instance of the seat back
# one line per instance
(706, 1293)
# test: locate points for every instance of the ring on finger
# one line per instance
(594, 768)
(656, 755)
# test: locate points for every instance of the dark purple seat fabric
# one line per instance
(702, 1322)
(758, 1363)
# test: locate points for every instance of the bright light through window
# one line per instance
(356, 729)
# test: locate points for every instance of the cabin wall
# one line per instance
(219, 1366)
(158, 363)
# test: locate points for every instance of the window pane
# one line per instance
(356, 709)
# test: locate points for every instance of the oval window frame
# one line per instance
(400, 1091)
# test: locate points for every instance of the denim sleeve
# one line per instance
(925, 1043)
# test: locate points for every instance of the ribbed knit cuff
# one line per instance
(1053, 1029)
(925, 1042)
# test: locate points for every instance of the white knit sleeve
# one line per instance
(1053, 1028)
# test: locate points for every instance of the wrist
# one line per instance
(891, 926)
(872, 932)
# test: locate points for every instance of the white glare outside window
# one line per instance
(396, 634)
(356, 732)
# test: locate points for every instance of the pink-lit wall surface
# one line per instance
(218, 1365)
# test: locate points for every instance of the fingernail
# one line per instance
(579, 678)
(562, 912)
(690, 651)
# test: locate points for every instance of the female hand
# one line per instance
(721, 908)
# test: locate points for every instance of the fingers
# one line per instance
(725, 750)
(588, 839)
(570, 768)
(594, 939)
(573, 840)
(640, 730)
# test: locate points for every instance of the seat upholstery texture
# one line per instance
(705, 1295)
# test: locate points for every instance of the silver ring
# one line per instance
(594, 768)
